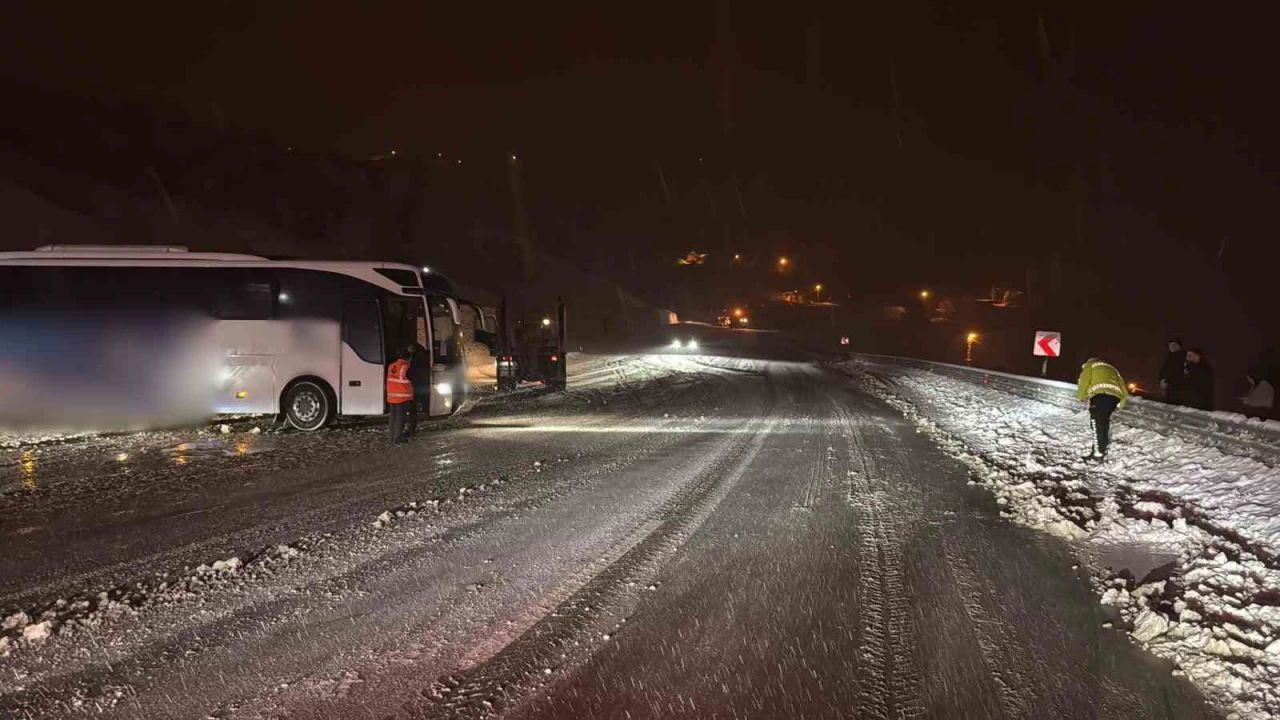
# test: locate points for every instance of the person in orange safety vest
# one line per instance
(400, 397)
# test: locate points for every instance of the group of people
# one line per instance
(1186, 378)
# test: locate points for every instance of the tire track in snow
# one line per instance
(524, 665)
(992, 637)
(888, 679)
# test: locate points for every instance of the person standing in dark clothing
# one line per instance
(420, 376)
(1171, 372)
(1198, 388)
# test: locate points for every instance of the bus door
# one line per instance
(363, 378)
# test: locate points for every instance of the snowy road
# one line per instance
(677, 536)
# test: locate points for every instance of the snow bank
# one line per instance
(1216, 611)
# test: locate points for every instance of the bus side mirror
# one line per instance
(488, 339)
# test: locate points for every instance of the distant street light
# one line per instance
(817, 292)
(970, 340)
(737, 257)
(546, 322)
(924, 294)
(783, 262)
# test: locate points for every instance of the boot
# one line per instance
(1091, 457)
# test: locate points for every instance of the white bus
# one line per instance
(309, 340)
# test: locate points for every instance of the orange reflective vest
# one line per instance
(399, 389)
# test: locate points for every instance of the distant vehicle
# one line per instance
(309, 340)
(531, 348)
(688, 345)
(731, 318)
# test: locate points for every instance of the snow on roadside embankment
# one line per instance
(1214, 608)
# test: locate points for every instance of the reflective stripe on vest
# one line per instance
(399, 389)
(1096, 388)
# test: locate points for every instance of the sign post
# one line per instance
(1047, 345)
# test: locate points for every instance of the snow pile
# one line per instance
(1215, 611)
(68, 617)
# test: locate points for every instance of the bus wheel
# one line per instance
(308, 406)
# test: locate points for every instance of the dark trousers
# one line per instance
(1100, 409)
(400, 421)
(421, 402)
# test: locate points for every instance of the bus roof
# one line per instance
(175, 256)
(119, 252)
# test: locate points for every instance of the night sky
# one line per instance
(988, 136)
(359, 77)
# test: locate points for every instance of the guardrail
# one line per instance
(1230, 432)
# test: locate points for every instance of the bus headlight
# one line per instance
(444, 388)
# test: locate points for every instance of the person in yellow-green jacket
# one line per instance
(1103, 388)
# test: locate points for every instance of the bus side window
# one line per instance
(244, 301)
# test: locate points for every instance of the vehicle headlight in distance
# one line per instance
(676, 344)
(693, 345)
(444, 388)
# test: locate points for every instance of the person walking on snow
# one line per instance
(399, 396)
(1102, 387)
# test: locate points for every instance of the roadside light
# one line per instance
(972, 337)
(783, 262)
(546, 322)
(924, 294)
(1133, 387)
(393, 152)
(513, 158)
(426, 270)
(817, 288)
(736, 257)
(737, 312)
